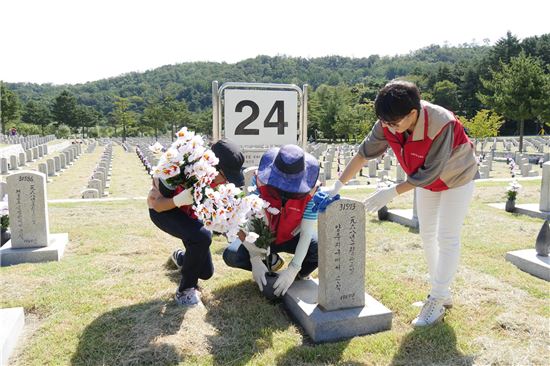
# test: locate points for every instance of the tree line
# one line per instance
(503, 88)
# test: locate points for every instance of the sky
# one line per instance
(75, 41)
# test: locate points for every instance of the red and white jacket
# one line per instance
(437, 155)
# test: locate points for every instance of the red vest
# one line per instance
(412, 154)
(285, 223)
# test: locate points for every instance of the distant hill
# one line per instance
(192, 81)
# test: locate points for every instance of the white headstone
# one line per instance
(372, 168)
(90, 193)
(544, 204)
(342, 255)
(96, 184)
(28, 209)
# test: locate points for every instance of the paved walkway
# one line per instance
(106, 199)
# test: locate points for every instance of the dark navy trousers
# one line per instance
(197, 261)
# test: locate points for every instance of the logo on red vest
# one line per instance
(417, 155)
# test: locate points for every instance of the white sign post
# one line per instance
(261, 117)
(258, 115)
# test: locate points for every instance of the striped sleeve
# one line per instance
(375, 144)
(308, 212)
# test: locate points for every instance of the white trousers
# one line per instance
(441, 216)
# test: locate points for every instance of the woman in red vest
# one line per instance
(287, 179)
(432, 148)
(170, 209)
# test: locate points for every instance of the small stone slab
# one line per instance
(528, 261)
(529, 209)
(328, 326)
(403, 217)
(12, 321)
(53, 252)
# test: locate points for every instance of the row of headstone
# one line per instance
(53, 167)
(331, 157)
(148, 159)
(100, 179)
(91, 147)
(27, 142)
(14, 162)
(534, 147)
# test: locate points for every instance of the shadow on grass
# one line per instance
(378, 222)
(127, 336)
(321, 354)
(248, 325)
(245, 323)
(435, 345)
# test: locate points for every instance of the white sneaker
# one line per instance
(432, 312)
(447, 302)
(188, 297)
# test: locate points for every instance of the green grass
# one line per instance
(109, 300)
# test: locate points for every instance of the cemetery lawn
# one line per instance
(109, 301)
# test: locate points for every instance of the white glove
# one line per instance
(286, 278)
(258, 271)
(253, 250)
(183, 198)
(380, 198)
(333, 191)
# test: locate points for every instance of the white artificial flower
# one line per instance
(251, 237)
(210, 157)
(156, 148)
(273, 210)
(196, 153)
(184, 135)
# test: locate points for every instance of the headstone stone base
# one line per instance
(529, 209)
(528, 261)
(53, 252)
(403, 217)
(12, 321)
(329, 326)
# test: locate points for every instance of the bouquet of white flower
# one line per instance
(188, 163)
(512, 190)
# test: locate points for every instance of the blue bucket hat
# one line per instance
(289, 169)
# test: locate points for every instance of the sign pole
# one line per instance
(215, 115)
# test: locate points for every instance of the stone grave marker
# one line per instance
(13, 163)
(63, 160)
(372, 168)
(57, 163)
(22, 160)
(3, 166)
(90, 193)
(96, 184)
(544, 203)
(43, 168)
(51, 167)
(31, 240)
(337, 307)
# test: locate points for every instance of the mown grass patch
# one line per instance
(109, 300)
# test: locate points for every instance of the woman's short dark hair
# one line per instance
(396, 99)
